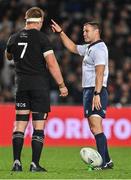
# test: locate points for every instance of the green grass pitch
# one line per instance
(65, 163)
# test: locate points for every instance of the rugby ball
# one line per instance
(91, 156)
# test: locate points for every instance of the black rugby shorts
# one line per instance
(34, 100)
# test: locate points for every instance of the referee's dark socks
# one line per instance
(37, 145)
(101, 143)
(17, 142)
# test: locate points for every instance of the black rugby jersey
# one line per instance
(28, 48)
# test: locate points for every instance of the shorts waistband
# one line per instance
(103, 87)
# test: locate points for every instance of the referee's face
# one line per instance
(89, 33)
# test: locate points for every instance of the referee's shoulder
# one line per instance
(101, 45)
(100, 48)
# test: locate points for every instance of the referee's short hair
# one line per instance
(95, 24)
(34, 12)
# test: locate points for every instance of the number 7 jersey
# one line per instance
(28, 48)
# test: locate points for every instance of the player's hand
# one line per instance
(63, 91)
(55, 27)
(96, 103)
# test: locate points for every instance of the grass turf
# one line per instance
(65, 163)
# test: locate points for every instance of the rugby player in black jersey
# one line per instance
(34, 59)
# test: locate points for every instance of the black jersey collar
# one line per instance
(96, 42)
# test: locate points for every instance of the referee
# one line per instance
(34, 59)
(94, 81)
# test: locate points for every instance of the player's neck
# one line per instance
(31, 26)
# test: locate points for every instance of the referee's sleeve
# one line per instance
(45, 45)
(82, 49)
(100, 57)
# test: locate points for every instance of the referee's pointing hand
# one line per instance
(55, 27)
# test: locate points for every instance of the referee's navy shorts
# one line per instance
(34, 100)
(87, 102)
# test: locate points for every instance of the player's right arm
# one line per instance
(8, 51)
(8, 55)
(69, 44)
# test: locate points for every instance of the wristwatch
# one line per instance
(96, 93)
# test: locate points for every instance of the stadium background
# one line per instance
(66, 125)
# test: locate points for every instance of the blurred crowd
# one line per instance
(115, 18)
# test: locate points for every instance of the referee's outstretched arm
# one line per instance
(69, 44)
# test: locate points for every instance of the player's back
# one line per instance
(28, 48)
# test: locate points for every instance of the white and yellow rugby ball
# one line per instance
(91, 156)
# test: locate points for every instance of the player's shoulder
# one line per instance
(44, 40)
(43, 35)
(12, 37)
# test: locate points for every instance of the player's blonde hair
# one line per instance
(34, 12)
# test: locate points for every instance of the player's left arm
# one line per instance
(56, 73)
(52, 64)
(8, 51)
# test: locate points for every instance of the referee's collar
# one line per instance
(96, 42)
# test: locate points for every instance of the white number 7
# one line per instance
(24, 49)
